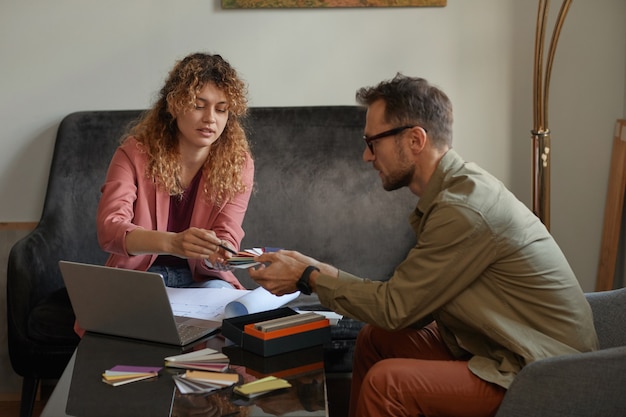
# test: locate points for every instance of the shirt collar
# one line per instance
(450, 161)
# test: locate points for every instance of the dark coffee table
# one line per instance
(81, 393)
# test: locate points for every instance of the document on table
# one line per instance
(217, 304)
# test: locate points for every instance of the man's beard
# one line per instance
(401, 176)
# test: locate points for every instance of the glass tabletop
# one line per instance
(81, 393)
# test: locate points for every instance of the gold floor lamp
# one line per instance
(540, 132)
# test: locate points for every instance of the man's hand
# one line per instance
(279, 271)
(324, 268)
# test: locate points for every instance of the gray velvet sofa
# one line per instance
(584, 385)
(313, 193)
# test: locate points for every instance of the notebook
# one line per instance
(128, 303)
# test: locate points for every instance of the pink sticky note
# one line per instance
(135, 369)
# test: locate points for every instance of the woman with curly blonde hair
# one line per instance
(178, 186)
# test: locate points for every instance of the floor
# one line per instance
(12, 408)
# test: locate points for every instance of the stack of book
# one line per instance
(195, 382)
(205, 371)
(261, 386)
(124, 374)
(204, 359)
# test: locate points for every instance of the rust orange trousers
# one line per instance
(412, 373)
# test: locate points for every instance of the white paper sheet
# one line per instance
(218, 303)
(255, 301)
(202, 303)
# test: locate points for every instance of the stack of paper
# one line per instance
(245, 259)
(123, 374)
(204, 359)
(289, 321)
(203, 381)
(261, 386)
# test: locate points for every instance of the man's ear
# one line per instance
(418, 139)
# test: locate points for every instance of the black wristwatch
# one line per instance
(303, 283)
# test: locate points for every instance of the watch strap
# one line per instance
(303, 284)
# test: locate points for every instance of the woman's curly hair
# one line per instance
(157, 129)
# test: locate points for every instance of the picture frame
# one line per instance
(290, 4)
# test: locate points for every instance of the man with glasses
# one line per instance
(485, 291)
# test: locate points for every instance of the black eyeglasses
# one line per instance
(387, 133)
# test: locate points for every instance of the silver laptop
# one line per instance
(128, 303)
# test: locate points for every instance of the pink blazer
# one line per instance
(130, 200)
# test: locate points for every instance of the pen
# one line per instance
(226, 248)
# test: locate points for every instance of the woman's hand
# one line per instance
(197, 243)
(193, 243)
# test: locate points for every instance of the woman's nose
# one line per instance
(209, 115)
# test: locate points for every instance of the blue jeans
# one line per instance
(180, 277)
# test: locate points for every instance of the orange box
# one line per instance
(241, 331)
(251, 330)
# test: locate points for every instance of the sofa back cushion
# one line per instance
(609, 316)
(315, 194)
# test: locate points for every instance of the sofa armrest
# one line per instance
(587, 384)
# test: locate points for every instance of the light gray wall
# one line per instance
(62, 56)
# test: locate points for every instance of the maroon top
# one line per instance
(179, 219)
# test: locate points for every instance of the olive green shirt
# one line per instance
(486, 269)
